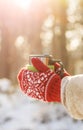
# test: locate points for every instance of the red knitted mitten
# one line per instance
(43, 85)
(60, 70)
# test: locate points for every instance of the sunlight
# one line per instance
(19, 41)
(72, 6)
(24, 4)
(73, 44)
(49, 22)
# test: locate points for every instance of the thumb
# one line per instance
(39, 65)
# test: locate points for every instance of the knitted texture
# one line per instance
(43, 85)
(61, 72)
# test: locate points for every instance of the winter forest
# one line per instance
(53, 27)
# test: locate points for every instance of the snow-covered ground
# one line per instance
(18, 112)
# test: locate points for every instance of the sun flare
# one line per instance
(24, 4)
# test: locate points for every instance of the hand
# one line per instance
(59, 67)
(60, 70)
(43, 85)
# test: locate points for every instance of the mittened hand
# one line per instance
(60, 70)
(43, 85)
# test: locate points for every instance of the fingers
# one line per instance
(66, 73)
(39, 65)
(57, 65)
(61, 72)
(19, 76)
(20, 79)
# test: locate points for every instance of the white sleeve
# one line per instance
(72, 95)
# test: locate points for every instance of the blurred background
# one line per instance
(53, 27)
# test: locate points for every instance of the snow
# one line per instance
(5, 84)
(19, 112)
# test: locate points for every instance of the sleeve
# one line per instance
(72, 95)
